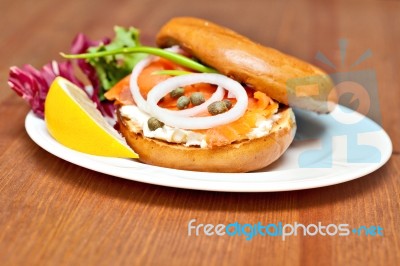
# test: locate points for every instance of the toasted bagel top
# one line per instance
(284, 78)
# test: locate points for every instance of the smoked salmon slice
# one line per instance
(260, 106)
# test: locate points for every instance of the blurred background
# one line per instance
(300, 28)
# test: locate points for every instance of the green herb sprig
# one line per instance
(171, 72)
(174, 57)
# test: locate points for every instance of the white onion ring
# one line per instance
(134, 87)
(170, 84)
(142, 103)
(135, 91)
(175, 49)
(218, 95)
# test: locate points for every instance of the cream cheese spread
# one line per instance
(139, 120)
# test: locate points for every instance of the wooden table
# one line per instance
(55, 213)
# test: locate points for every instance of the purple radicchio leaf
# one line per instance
(33, 85)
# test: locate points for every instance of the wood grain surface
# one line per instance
(55, 213)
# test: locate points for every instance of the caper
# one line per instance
(197, 98)
(154, 123)
(176, 93)
(228, 103)
(216, 108)
(182, 102)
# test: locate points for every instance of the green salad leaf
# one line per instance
(112, 68)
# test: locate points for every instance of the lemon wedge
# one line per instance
(73, 120)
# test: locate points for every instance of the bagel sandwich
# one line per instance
(238, 119)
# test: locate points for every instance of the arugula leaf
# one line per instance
(111, 69)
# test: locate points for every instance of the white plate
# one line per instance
(293, 171)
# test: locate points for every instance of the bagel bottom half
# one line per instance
(244, 156)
